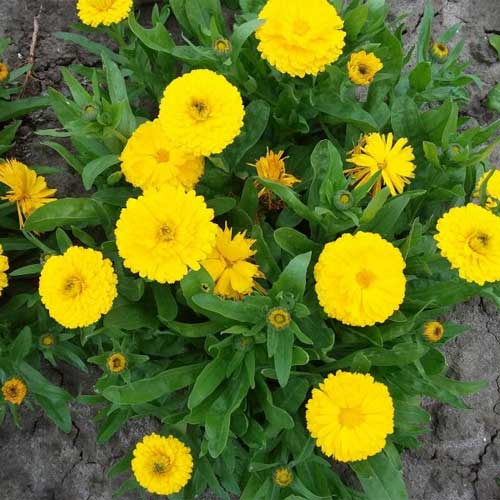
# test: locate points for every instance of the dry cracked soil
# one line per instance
(459, 458)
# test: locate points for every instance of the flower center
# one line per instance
(300, 26)
(162, 155)
(478, 242)
(365, 278)
(73, 287)
(165, 233)
(161, 466)
(363, 69)
(13, 391)
(351, 417)
(199, 110)
(279, 318)
(381, 165)
(102, 5)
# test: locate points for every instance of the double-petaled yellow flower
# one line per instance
(362, 67)
(106, 12)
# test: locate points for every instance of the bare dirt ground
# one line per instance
(460, 457)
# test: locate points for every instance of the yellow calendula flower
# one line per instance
(378, 153)
(4, 72)
(350, 416)
(469, 238)
(28, 190)
(279, 318)
(162, 465)
(228, 265)
(78, 287)
(433, 331)
(492, 188)
(362, 67)
(439, 51)
(14, 391)
(116, 362)
(300, 39)
(222, 46)
(359, 279)
(96, 12)
(4, 267)
(283, 477)
(149, 160)
(201, 112)
(164, 233)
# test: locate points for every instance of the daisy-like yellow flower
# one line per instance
(362, 67)
(14, 391)
(469, 238)
(439, 51)
(164, 233)
(228, 265)
(78, 287)
(350, 416)
(433, 331)
(378, 153)
(4, 267)
(149, 160)
(116, 362)
(300, 39)
(222, 46)
(279, 318)
(359, 279)
(162, 465)
(201, 112)
(27, 190)
(283, 477)
(492, 188)
(4, 72)
(96, 12)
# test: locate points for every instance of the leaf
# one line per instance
(7, 135)
(209, 379)
(293, 278)
(96, 167)
(221, 204)
(57, 410)
(157, 38)
(131, 316)
(493, 101)
(29, 270)
(21, 107)
(354, 21)
(68, 157)
(283, 355)
(424, 35)
(421, 76)
(112, 425)
(294, 242)
(241, 34)
(166, 304)
(237, 310)
(494, 40)
(21, 345)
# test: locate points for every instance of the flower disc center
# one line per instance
(199, 110)
(162, 155)
(365, 278)
(478, 242)
(351, 417)
(73, 286)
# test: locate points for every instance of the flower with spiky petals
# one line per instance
(201, 112)
(28, 190)
(4, 72)
(362, 67)
(229, 265)
(78, 287)
(164, 233)
(350, 416)
(378, 153)
(14, 391)
(149, 160)
(162, 465)
(279, 318)
(433, 331)
(469, 238)
(283, 477)
(298, 39)
(106, 12)
(492, 180)
(116, 362)
(4, 267)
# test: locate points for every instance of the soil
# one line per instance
(459, 458)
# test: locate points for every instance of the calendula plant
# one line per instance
(282, 206)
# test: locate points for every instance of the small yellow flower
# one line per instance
(27, 190)
(298, 38)
(14, 391)
(363, 67)
(350, 416)
(439, 51)
(283, 477)
(343, 200)
(279, 318)
(492, 188)
(162, 465)
(377, 153)
(222, 46)
(433, 331)
(4, 72)
(48, 340)
(4, 267)
(96, 12)
(228, 265)
(116, 362)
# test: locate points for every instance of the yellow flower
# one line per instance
(4, 267)
(78, 287)
(433, 331)
(96, 12)
(116, 362)
(350, 416)
(469, 237)
(492, 188)
(162, 465)
(300, 39)
(47, 340)
(150, 161)
(439, 51)
(363, 67)
(28, 190)
(359, 279)
(283, 477)
(378, 154)
(279, 318)
(222, 46)
(4, 72)
(201, 112)
(164, 233)
(228, 265)
(14, 391)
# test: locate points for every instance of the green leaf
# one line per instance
(63, 240)
(293, 278)
(131, 316)
(493, 101)
(7, 135)
(68, 157)
(157, 38)
(20, 107)
(241, 34)
(166, 304)
(494, 40)
(242, 310)
(21, 345)
(56, 410)
(345, 112)
(29, 270)
(354, 21)
(221, 204)
(283, 355)
(421, 76)
(112, 425)
(96, 167)
(294, 242)
(424, 36)
(209, 379)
